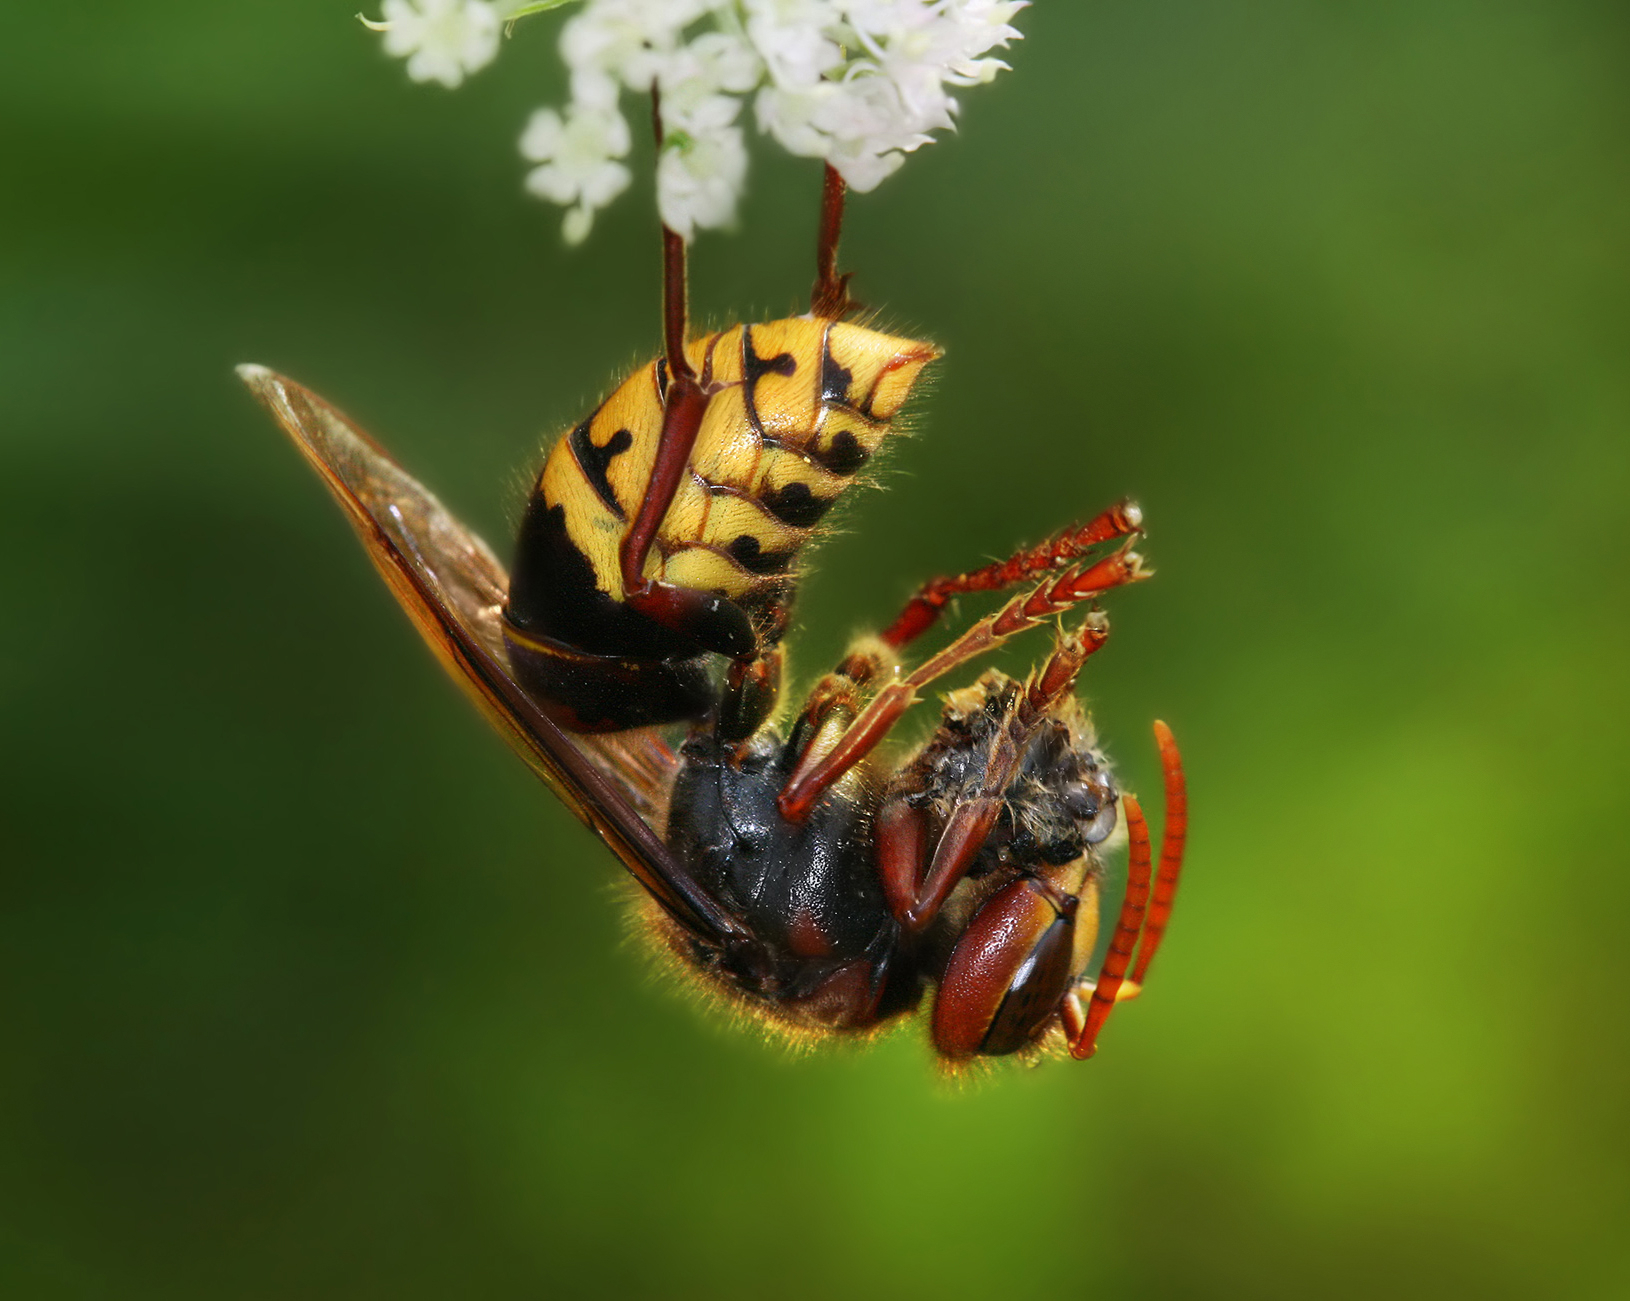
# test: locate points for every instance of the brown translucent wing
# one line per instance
(453, 589)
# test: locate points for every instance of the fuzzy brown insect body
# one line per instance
(816, 886)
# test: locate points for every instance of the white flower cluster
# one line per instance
(860, 83)
(442, 40)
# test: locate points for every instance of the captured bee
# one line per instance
(632, 656)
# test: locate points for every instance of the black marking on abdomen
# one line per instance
(835, 379)
(749, 359)
(844, 457)
(553, 592)
(595, 462)
(748, 552)
(752, 365)
(796, 505)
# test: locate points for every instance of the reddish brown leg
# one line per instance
(715, 623)
(923, 609)
(1084, 1042)
(830, 299)
(815, 772)
(1172, 838)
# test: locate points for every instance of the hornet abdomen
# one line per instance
(795, 410)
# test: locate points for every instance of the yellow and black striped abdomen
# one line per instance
(806, 405)
(796, 408)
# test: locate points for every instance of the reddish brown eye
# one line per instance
(1036, 991)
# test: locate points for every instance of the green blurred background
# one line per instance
(308, 990)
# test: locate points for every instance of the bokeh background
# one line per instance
(308, 990)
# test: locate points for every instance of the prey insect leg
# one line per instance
(815, 773)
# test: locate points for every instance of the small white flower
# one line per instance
(699, 179)
(442, 40)
(789, 116)
(626, 39)
(862, 164)
(865, 114)
(577, 154)
(723, 60)
(914, 46)
(795, 39)
(861, 126)
(694, 80)
(981, 25)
